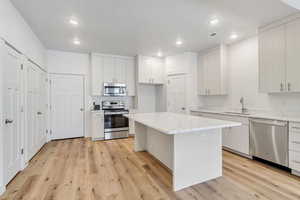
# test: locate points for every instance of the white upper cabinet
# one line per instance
(212, 72)
(293, 56)
(130, 76)
(150, 70)
(272, 60)
(279, 60)
(110, 68)
(177, 64)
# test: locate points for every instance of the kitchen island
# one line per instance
(190, 146)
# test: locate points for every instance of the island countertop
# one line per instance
(172, 123)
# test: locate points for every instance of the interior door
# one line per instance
(41, 109)
(32, 83)
(11, 100)
(67, 106)
(176, 94)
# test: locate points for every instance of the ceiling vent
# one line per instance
(292, 3)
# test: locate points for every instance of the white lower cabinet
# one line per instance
(294, 147)
(235, 138)
(97, 126)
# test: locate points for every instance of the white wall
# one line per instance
(16, 31)
(73, 63)
(243, 81)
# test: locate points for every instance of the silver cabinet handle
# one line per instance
(296, 161)
(39, 113)
(281, 87)
(183, 108)
(9, 121)
(81, 109)
(295, 142)
(289, 86)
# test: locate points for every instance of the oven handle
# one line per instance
(116, 113)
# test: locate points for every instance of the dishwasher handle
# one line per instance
(270, 122)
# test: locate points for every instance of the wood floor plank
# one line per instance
(80, 169)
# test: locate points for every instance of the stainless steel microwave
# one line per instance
(114, 89)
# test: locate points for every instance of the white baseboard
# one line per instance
(2, 189)
(297, 173)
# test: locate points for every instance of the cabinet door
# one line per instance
(176, 94)
(272, 65)
(238, 139)
(293, 56)
(108, 69)
(97, 75)
(120, 70)
(157, 72)
(97, 126)
(130, 77)
(145, 69)
(212, 73)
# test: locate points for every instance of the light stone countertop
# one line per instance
(252, 114)
(172, 123)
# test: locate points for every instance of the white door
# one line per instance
(293, 58)
(41, 111)
(176, 94)
(32, 109)
(67, 106)
(12, 110)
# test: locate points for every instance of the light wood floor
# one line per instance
(82, 170)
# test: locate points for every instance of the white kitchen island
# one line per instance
(190, 146)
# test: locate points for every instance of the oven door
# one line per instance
(115, 122)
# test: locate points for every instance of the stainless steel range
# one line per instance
(115, 124)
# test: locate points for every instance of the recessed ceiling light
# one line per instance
(214, 21)
(76, 41)
(233, 36)
(159, 54)
(73, 22)
(179, 42)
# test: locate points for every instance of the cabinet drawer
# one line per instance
(243, 120)
(294, 161)
(294, 146)
(294, 127)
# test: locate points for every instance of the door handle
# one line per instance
(8, 121)
(289, 86)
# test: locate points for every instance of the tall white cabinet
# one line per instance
(181, 87)
(112, 69)
(279, 60)
(213, 71)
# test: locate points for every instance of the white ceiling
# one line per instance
(130, 27)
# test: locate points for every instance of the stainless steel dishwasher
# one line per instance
(269, 140)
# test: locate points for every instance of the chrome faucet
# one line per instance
(244, 110)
